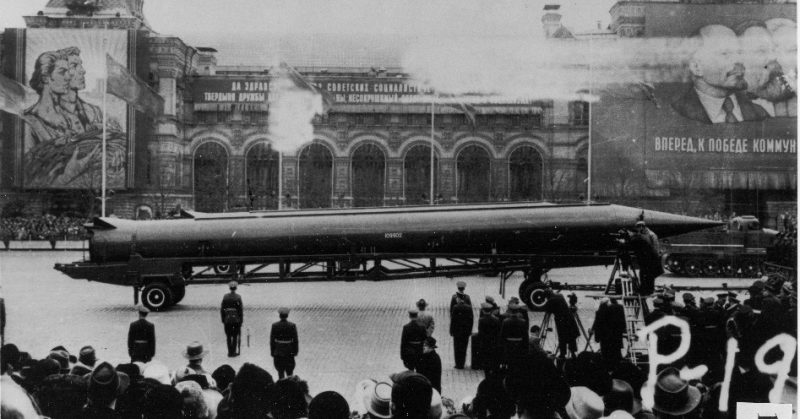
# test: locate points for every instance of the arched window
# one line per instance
(210, 178)
(262, 177)
(473, 171)
(315, 176)
(525, 174)
(417, 172)
(368, 176)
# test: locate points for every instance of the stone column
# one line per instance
(447, 179)
(289, 180)
(342, 196)
(394, 183)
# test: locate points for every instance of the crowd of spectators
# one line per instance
(535, 384)
(43, 227)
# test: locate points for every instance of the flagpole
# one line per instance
(103, 168)
(433, 106)
(280, 180)
(589, 153)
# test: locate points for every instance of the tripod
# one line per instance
(573, 310)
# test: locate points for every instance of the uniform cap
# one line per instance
(233, 285)
(413, 312)
(640, 223)
(283, 311)
(142, 309)
(422, 303)
(461, 284)
(486, 306)
(489, 299)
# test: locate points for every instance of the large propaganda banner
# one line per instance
(723, 116)
(62, 147)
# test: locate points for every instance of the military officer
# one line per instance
(232, 314)
(141, 337)
(461, 319)
(284, 344)
(414, 335)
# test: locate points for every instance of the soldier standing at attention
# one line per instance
(425, 318)
(142, 337)
(414, 335)
(461, 319)
(232, 314)
(283, 344)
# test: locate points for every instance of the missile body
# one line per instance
(474, 229)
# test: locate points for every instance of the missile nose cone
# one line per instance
(665, 224)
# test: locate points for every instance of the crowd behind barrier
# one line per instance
(527, 382)
(44, 227)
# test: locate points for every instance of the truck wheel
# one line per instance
(156, 296)
(749, 269)
(178, 292)
(692, 267)
(532, 293)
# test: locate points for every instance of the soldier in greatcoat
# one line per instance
(411, 341)
(284, 344)
(142, 337)
(461, 319)
(232, 314)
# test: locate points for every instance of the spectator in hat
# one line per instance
(9, 358)
(621, 397)
(86, 361)
(674, 397)
(645, 246)
(60, 354)
(142, 337)
(584, 404)
(411, 396)
(284, 344)
(375, 399)
(232, 314)
(430, 364)
(194, 353)
(461, 319)
(488, 334)
(495, 309)
(492, 400)
(328, 405)
(412, 340)
(425, 318)
(250, 395)
(105, 385)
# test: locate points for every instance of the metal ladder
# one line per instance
(635, 308)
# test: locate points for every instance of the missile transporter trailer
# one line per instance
(160, 258)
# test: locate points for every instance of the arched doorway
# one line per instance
(473, 171)
(368, 176)
(315, 176)
(417, 171)
(262, 177)
(525, 174)
(210, 178)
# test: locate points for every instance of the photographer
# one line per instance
(566, 328)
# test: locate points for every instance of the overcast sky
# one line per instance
(400, 17)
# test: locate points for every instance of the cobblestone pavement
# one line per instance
(348, 331)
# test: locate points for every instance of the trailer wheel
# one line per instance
(156, 296)
(749, 269)
(178, 292)
(673, 264)
(693, 267)
(223, 269)
(532, 293)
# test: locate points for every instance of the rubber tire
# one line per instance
(531, 292)
(178, 292)
(727, 269)
(223, 269)
(750, 269)
(693, 268)
(156, 296)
